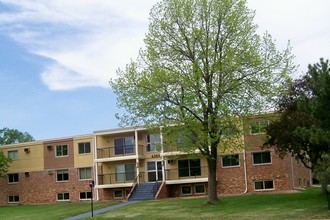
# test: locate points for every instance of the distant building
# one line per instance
(61, 169)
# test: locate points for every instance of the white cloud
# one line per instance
(87, 40)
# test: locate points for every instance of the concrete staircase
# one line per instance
(144, 191)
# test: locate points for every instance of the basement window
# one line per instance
(13, 199)
(186, 190)
(264, 185)
(118, 193)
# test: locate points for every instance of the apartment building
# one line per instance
(123, 160)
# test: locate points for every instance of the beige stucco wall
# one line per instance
(31, 159)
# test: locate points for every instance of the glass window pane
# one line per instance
(269, 185)
(186, 189)
(258, 185)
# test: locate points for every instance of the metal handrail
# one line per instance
(134, 185)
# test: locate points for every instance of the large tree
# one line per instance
(10, 136)
(203, 67)
(303, 125)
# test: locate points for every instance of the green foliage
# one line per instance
(303, 127)
(204, 66)
(10, 136)
(14, 136)
(4, 164)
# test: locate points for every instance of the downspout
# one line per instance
(292, 173)
(245, 172)
(95, 170)
(245, 169)
(137, 157)
(161, 153)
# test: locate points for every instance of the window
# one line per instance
(186, 190)
(153, 140)
(84, 148)
(229, 131)
(61, 150)
(62, 175)
(258, 127)
(13, 178)
(262, 157)
(13, 199)
(63, 196)
(230, 160)
(85, 173)
(125, 172)
(13, 154)
(85, 195)
(189, 167)
(199, 189)
(264, 185)
(124, 145)
(118, 193)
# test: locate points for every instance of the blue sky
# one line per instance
(57, 56)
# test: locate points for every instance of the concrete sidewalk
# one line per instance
(99, 211)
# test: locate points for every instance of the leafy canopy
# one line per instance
(203, 67)
(303, 126)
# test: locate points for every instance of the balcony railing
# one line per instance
(129, 150)
(117, 178)
(186, 173)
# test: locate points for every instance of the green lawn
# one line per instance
(308, 204)
(49, 211)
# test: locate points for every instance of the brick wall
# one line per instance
(41, 187)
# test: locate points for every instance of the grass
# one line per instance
(307, 204)
(49, 211)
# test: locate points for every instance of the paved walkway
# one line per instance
(99, 211)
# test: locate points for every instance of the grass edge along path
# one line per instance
(305, 204)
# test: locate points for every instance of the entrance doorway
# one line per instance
(154, 171)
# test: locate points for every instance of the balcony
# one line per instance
(119, 153)
(114, 180)
(186, 175)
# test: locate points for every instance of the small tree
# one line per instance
(204, 67)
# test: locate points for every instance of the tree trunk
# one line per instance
(212, 180)
(324, 186)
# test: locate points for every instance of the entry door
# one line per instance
(154, 171)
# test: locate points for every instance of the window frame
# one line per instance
(12, 177)
(63, 175)
(61, 151)
(261, 163)
(14, 156)
(125, 176)
(121, 192)
(189, 168)
(124, 148)
(198, 185)
(231, 165)
(88, 195)
(63, 194)
(190, 189)
(260, 126)
(14, 198)
(152, 141)
(83, 145)
(264, 185)
(85, 170)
